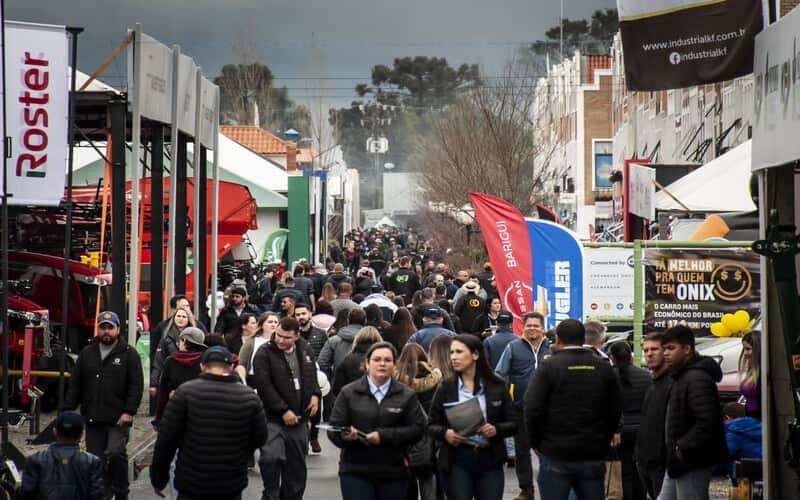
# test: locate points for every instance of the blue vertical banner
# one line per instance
(557, 271)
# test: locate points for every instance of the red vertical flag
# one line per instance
(508, 244)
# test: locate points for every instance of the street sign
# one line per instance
(377, 145)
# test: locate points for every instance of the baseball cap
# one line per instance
(504, 317)
(217, 354)
(69, 424)
(108, 317)
(193, 335)
(431, 312)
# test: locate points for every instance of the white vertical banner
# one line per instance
(187, 90)
(642, 191)
(37, 111)
(208, 110)
(199, 166)
(136, 134)
(154, 74)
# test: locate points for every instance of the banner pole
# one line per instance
(4, 242)
(212, 310)
(197, 285)
(638, 301)
(136, 133)
(74, 31)
(169, 290)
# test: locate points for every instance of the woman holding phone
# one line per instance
(374, 420)
(471, 466)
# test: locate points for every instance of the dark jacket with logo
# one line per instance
(694, 417)
(651, 448)
(404, 283)
(498, 413)
(105, 389)
(471, 310)
(398, 418)
(275, 385)
(573, 406)
(62, 472)
(215, 423)
(517, 364)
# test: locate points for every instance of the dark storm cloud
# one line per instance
(310, 38)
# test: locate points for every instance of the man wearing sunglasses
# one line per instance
(107, 384)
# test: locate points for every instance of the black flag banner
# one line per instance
(670, 44)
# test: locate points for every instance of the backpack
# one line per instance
(63, 479)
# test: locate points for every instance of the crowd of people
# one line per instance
(414, 371)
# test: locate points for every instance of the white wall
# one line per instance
(268, 221)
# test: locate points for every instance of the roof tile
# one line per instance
(255, 138)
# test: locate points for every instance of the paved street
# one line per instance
(323, 481)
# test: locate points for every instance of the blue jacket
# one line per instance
(517, 364)
(743, 436)
(495, 345)
(425, 335)
(62, 472)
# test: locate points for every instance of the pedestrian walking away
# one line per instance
(432, 319)
(107, 383)
(572, 410)
(214, 423)
(63, 471)
(375, 419)
(695, 435)
(471, 460)
(285, 377)
(634, 382)
(651, 447)
(517, 364)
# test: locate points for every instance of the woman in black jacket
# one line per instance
(634, 382)
(472, 466)
(352, 366)
(414, 370)
(384, 418)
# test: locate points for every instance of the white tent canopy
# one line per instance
(721, 185)
(385, 221)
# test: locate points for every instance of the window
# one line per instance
(602, 163)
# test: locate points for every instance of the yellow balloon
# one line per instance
(742, 320)
(730, 322)
(719, 330)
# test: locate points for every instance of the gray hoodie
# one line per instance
(337, 348)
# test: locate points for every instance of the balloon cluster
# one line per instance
(733, 325)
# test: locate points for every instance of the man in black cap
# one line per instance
(107, 384)
(217, 423)
(228, 321)
(432, 320)
(497, 342)
(63, 471)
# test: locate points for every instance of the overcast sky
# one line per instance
(314, 47)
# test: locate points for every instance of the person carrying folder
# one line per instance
(472, 453)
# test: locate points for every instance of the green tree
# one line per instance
(589, 36)
(245, 88)
(398, 103)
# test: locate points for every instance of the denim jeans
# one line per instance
(360, 488)
(475, 474)
(691, 486)
(556, 479)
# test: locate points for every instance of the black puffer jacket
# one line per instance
(498, 413)
(107, 388)
(316, 339)
(274, 382)
(351, 369)
(651, 448)
(216, 423)
(573, 406)
(62, 472)
(694, 418)
(398, 419)
(633, 392)
(228, 320)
